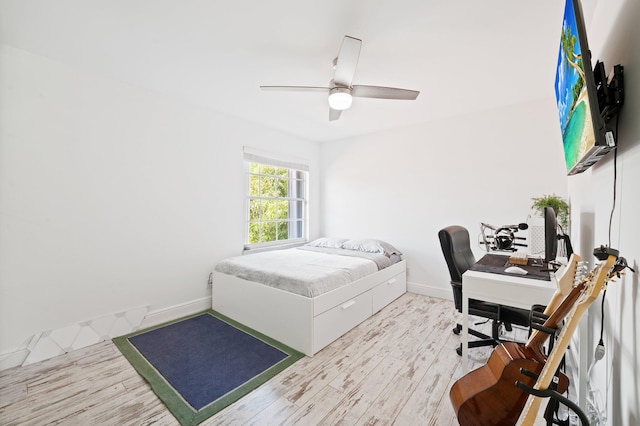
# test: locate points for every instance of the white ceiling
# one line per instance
(462, 56)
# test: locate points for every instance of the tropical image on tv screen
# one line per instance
(571, 93)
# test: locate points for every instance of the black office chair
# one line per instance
(456, 248)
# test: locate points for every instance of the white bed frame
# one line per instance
(303, 323)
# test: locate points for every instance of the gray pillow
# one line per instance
(369, 245)
(327, 242)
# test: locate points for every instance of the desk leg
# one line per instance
(465, 334)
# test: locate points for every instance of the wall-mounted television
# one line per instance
(584, 134)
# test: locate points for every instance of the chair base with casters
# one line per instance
(484, 339)
(500, 316)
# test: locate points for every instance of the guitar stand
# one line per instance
(551, 393)
(536, 320)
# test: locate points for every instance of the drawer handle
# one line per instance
(391, 281)
(349, 304)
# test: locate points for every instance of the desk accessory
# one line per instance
(519, 258)
(503, 237)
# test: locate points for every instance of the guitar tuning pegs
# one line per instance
(582, 266)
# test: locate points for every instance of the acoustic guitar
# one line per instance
(604, 272)
(488, 395)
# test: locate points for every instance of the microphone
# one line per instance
(518, 227)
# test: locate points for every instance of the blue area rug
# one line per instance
(203, 363)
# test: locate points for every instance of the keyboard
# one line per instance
(518, 258)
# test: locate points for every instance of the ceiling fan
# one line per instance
(341, 91)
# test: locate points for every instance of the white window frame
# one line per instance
(294, 165)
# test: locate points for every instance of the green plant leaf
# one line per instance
(558, 204)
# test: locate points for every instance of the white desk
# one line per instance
(511, 290)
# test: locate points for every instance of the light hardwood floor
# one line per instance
(395, 368)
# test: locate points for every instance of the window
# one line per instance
(276, 201)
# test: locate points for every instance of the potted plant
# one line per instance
(558, 204)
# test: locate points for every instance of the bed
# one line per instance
(307, 297)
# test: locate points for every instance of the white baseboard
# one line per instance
(431, 291)
(171, 313)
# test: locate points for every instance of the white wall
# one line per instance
(614, 37)
(114, 197)
(404, 186)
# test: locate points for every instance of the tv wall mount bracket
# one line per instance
(610, 90)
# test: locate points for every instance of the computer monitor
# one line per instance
(550, 235)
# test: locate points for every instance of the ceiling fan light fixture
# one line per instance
(341, 87)
(340, 98)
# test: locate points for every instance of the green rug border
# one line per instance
(180, 409)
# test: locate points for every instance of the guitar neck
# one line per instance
(550, 367)
(559, 306)
(564, 284)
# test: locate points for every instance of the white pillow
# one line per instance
(327, 242)
(371, 246)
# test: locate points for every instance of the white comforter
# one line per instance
(304, 271)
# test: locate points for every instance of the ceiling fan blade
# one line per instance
(383, 92)
(296, 88)
(347, 61)
(334, 114)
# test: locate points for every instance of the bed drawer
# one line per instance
(388, 291)
(333, 323)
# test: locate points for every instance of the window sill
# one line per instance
(251, 250)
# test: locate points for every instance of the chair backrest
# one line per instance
(456, 248)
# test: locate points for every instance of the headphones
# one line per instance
(503, 238)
